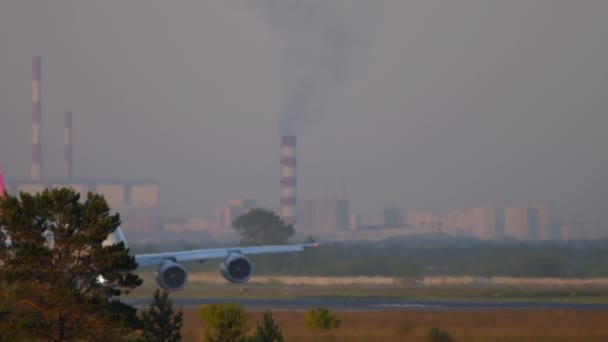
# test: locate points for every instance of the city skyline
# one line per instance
(428, 105)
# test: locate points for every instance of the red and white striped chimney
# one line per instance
(36, 111)
(67, 142)
(288, 179)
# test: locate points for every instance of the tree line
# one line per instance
(406, 259)
(471, 259)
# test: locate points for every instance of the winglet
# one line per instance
(2, 187)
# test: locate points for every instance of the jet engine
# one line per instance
(171, 276)
(236, 268)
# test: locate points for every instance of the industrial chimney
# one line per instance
(288, 179)
(36, 110)
(67, 152)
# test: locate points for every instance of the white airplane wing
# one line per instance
(216, 253)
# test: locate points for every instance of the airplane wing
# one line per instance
(216, 253)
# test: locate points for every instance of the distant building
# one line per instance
(425, 220)
(584, 230)
(521, 223)
(235, 207)
(393, 217)
(355, 220)
(544, 221)
(459, 223)
(195, 224)
(484, 223)
(323, 215)
(334, 212)
(137, 202)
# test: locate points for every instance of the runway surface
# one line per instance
(366, 304)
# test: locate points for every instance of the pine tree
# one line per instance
(262, 227)
(49, 277)
(268, 331)
(160, 322)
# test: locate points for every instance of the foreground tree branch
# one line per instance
(49, 276)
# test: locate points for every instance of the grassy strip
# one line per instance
(452, 293)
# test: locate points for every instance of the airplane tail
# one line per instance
(3, 235)
(2, 187)
(116, 237)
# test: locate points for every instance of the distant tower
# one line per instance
(288, 179)
(36, 111)
(67, 152)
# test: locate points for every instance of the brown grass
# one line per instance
(470, 325)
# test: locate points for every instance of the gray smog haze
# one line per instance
(438, 104)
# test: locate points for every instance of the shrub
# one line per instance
(268, 331)
(160, 322)
(224, 322)
(321, 318)
(438, 335)
(405, 328)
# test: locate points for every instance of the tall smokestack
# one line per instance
(67, 152)
(36, 111)
(288, 179)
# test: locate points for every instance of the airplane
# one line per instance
(7, 239)
(2, 188)
(235, 267)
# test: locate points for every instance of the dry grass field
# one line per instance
(414, 325)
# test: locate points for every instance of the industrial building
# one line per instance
(521, 223)
(326, 215)
(235, 207)
(136, 201)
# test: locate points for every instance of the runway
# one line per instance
(367, 304)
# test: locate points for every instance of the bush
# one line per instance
(438, 335)
(160, 322)
(405, 328)
(321, 318)
(268, 331)
(224, 322)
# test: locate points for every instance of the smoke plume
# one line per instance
(320, 39)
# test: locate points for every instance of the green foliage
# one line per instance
(310, 239)
(321, 318)
(338, 259)
(533, 264)
(438, 335)
(268, 331)
(405, 328)
(160, 322)
(9, 332)
(49, 277)
(224, 322)
(413, 258)
(262, 227)
(452, 257)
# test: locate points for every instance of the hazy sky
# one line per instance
(440, 104)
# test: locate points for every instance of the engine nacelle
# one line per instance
(171, 276)
(236, 268)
